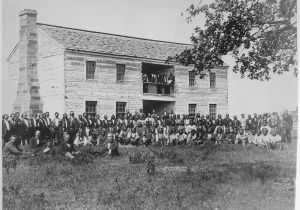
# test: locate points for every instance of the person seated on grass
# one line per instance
(252, 137)
(192, 137)
(36, 143)
(181, 126)
(265, 137)
(112, 145)
(172, 137)
(122, 136)
(258, 138)
(274, 141)
(64, 148)
(229, 136)
(160, 138)
(80, 141)
(134, 137)
(181, 137)
(219, 136)
(265, 125)
(209, 138)
(10, 148)
(241, 137)
(145, 138)
(139, 128)
(93, 138)
(218, 127)
(102, 137)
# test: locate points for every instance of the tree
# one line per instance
(260, 35)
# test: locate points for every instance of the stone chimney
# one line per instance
(28, 94)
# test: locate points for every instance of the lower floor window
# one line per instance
(192, 109)
(120, 109)
(90, 108)
(213, 110)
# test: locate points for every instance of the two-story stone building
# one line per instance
(59, 69)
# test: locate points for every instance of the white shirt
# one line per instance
(83, 141)
(243, 122)
(26, 121)
(275, 139)
(265, 138)
(48, 120)
(7, 125)
(56, 121)
(34, 122)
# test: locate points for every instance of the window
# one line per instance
(192, 108)
(212, 78)
(90, 108)
(191, 78)
(120, 109)
(90, 69)
(213, 110)
(120, 72)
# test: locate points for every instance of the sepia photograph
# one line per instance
(149, 104)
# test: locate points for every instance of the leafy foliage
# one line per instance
(260, 35)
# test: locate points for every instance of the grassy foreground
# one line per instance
(214, 177)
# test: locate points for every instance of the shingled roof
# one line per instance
(98, 42)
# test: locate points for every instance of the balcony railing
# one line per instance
(158, 89)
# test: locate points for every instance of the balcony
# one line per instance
(158, 82)
(162, 92)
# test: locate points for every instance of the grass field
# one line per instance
(214, 177)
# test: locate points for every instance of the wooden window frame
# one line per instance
(192, 107)
(120, 72)
(90, 71)
(120, 108)
(213, 111)
(212, 79)
(192, 78)
(91, 108)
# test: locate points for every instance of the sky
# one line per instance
(155, 19)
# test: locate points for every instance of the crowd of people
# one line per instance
(69, 134)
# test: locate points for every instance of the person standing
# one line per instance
(34, 122)
(18, 128)
(56, 123)
(243, 121)
(289, 119)
(25, 127)
(6, 129)
(73, 126)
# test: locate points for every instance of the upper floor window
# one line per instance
(191, 78)
(212, 79)
(192, 108)
(120, 72)
(90, 69)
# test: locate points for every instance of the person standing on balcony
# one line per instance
(171, 82)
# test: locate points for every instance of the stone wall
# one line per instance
(106, 91)
(104, 88)
(201, 94)
(51, 73)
